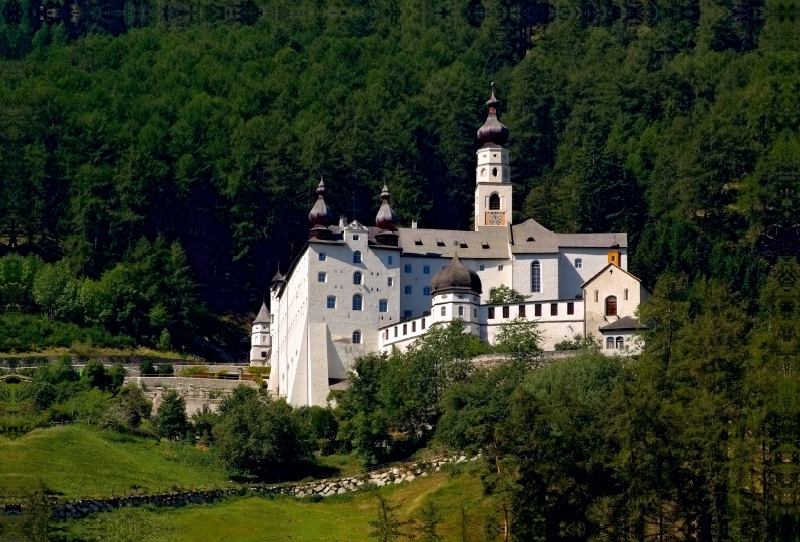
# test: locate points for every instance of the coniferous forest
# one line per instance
(158, 162)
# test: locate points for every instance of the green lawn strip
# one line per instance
(341, 518)
(79, 461)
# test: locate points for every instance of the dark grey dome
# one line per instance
(493, 131)
(320, 215)
(386, 219)
(456, 276)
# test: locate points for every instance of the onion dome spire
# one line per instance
(456, 276)
(493, 131)
(278, 277)
(386, 219)
(320, 214)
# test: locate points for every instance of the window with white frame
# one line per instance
(620, 343)
(610, 343)
(536, 277)
(356, 337)
(323, 256)
(331, 301)
(358, 302)
(390, 281)
(321, 277)
(358, 278)
(383, 305)
(444, 311)
(357, 256)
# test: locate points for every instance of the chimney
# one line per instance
(413, 224)
(342, 221)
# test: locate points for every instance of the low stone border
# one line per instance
(323, 488)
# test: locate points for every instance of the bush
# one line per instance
(146, 367)
(165, 369)
(170, 421)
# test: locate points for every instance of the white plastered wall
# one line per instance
(521, 280)
(612, 282)
(593, 260)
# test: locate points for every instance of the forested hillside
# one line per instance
(672, 121)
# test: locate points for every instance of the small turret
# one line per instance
(493, 132)
(260, 338)
(386, 221)
(320, 215)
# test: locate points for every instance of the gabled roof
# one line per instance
(530, 237)
(489, 243)
(603, 270)
(264, 317)
(623, 324)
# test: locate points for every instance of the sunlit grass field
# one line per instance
(77, 461)
(342, 518)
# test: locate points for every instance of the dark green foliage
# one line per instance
(94, 373)
(146, 367)
(116, 377)
(128, 409)
(320, 424)
(23, 332)
(260, 437)
(430, 517)
(388, 527)
(170, 420)
(504, 294)
(165, 369)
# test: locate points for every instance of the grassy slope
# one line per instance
(79, 461)
(343, 518)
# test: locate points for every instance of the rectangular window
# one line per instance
(570, 308)
(426, 290)
(413, 327)
(444, 311)
(426, 269)
(408, 289)
(405, 329)
(499, 267)
(321, 277)
(322, 256)
(491, 313)
(578, 263)
(423, 323)
(481, 267)
(522, 310)
(331, 301)
(390, 281)
(383, 305)
(390, 260)
(505, 312)
(537, 309)
(407, 268)
(395, 331)
(406, 314)
(553, 309)
(355, 238)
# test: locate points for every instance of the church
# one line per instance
(356, 289)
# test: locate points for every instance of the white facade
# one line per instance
(357, 289)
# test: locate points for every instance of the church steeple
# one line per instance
(493, 189)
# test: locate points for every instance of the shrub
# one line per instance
(170, 421)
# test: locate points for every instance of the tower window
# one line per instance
(357, 256)
(611, 306)
(321, 277)
(358, 302)
(578, 263)
(383, 305)
(460, 310)
(494, 202)
(356, 337)
(444, 311)
(358, 278)
(536, 277)
(331, 301)
(494, 172)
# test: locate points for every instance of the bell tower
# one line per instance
(493, 190)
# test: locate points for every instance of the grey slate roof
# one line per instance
(626, 323)
(264, 317)
(456, 275)
(531, 237)
(488, 243)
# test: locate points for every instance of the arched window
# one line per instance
(356, 337)
(536, 277)
(357, 302)
(620, 343)
(611, 306)
(358, 278)
(357, 256)
(610, 343)
(494, 202)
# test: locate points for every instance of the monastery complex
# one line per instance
(356, 289)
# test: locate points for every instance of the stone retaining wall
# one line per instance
(322, 488)
(201, 394)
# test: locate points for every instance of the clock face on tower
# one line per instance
(495, 218)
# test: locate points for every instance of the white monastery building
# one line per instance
(356, 289)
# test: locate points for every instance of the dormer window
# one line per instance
(578, 263)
